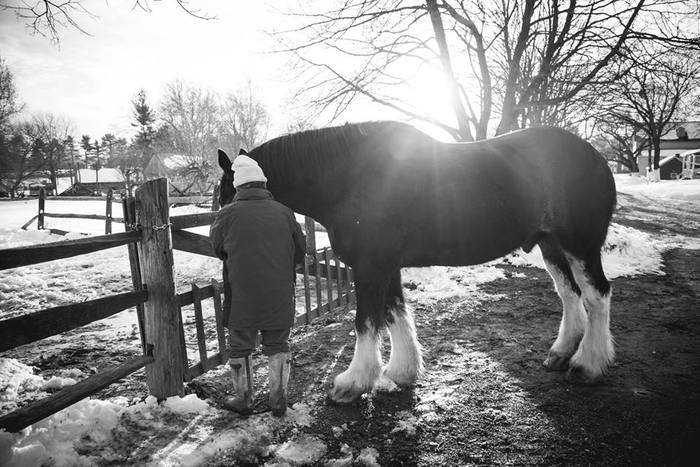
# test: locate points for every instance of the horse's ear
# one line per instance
(224, 161)
(242, 152)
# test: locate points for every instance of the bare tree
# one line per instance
(652, 93)
(617, 141)
(514, 62)
(192, 115)
(9, 104)
(244, 120)
(48, 17)
(53, 131)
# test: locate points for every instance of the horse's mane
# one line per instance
(321, 149)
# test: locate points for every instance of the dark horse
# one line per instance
(392, 197)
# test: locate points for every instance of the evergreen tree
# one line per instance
(144, 121)
(97, 165)
(108, 142)
(87, 147)
(20, 157)
(164, 141)
(69, 148)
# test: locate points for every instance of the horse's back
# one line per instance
(426, 202)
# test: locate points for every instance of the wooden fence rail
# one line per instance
(187, 221)
(99, 217)
(38, 410)
(52, 321)
(34, 254)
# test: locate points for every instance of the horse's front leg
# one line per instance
(365, 368)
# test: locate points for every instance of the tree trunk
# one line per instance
(456, 101)
(510, 112)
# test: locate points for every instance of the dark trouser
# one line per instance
(242, 341)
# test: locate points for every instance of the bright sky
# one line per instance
(92, 79)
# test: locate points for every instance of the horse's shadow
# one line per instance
(645, 411)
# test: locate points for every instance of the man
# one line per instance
(260, 242)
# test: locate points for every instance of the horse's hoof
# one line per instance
(579, 376)
(386, 384)
(342, 397)
(556, 362)
(402, 380)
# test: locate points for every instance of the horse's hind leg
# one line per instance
(365, 368)
(406, 362)
(596, 350)
(573, 321)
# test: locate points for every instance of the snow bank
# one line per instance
(16, 379)
(627, 252)
(51, 441)
(438, 282)
(93, 430)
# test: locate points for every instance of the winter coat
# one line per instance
(260, 241)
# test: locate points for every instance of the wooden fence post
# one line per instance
(339, 279)
(129, 214)
(199, 325)
(108, 212)
(310, 229)
(329, 277)
(165, 375)
(219, 315)
(42, 207)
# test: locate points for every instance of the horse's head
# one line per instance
(226, 189)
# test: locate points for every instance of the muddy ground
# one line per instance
(485, 398)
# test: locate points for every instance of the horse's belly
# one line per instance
(461, 250)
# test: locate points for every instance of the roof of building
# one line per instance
(692, 151)
(107, 175)
(668, 159)
(692, 128)
(682, 144)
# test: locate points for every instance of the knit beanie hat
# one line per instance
(246, 170)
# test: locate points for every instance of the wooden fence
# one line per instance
(39, 325)
(150, 231)
(107, 218)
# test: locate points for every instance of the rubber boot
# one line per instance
(242, 400)
(279, 378)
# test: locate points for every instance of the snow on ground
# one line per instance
(675, 190)
(64, 438)
(627, 252)
(99, 425)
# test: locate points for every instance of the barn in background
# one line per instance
(96, 182)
